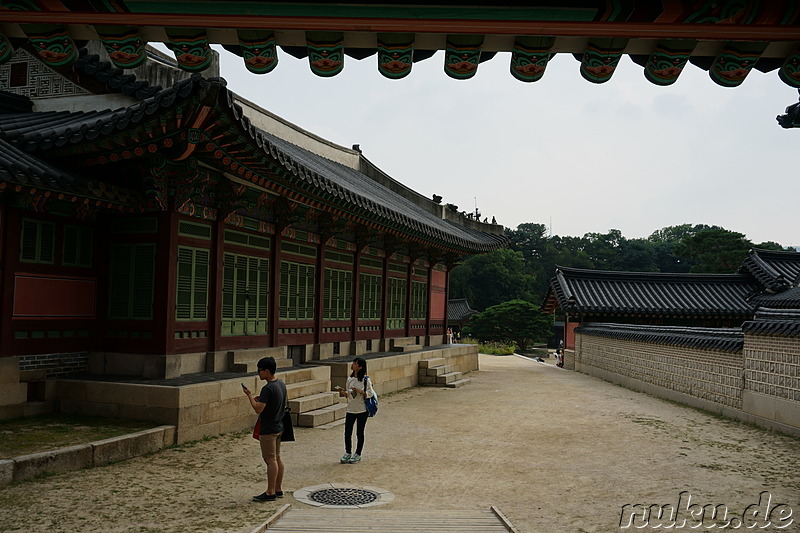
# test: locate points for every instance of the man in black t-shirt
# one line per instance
(270, 406)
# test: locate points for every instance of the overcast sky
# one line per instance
(563, 152)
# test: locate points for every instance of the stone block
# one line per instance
(188, 433)
(307, 388)
(31, 375)
(102, 392)
(6, 472)
(169, 435)
(96, 363)
(432, 362)
(13, 393)
(188, 363)
(237, 423)
(127, 364)
(124, 447)
(160, 415)
(313, 402)
(52, 462)
(103, 410)
(321, 416)
(220, 410)
(200, 394)
(217, 361)
(161, 396)
(9, 370)
(427, 380)
(71, 390)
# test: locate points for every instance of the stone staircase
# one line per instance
(308, 389)
(436, 373)
(404, 344)
(311, 400)
(246, 361)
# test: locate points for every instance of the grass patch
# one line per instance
(22, 436)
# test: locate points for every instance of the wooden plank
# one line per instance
(362, 521)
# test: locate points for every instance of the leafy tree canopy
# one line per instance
(514, 321)
(489, 279)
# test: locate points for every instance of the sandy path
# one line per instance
(554, 450)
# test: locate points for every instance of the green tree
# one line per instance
(714, 250)
(489, 279)
(514, 321)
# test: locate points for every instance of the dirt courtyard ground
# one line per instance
(554, 450)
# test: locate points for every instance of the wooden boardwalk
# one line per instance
(288, 520)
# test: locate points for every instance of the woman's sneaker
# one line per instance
(356, 458)
(347, 458)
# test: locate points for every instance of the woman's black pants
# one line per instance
(360, 421)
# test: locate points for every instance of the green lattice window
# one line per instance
(192, 290)
(370, 296)
(297, 291)
(37, 242)
(132, 281)
(245, 295)
(396, 304)
(78, 247)
(419, 300)
(338, 294)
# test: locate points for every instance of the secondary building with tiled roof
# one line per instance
(766, 278)
(185, 220)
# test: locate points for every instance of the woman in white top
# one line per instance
(359, 388)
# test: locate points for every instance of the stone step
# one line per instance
(307, 388)
(331, 425)
(318, 417)
(248, 367)
(254, 354)
(406, 348)
(458, 383)
(313, 402)
(437, 370)
(431, 363)
(444, 379)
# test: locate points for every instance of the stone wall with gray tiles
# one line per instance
(760, 384)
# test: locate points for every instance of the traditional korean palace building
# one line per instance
(167, 227)
(729, 343)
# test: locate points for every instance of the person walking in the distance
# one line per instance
(358, 389)
(270, 406)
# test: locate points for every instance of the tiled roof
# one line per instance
(788, 299)
(778, 322)
(14, 103)
(656, 294)
(721, 339)
(775, 270)
(18, 168)
(306, 171)
(112, 77)
(459, 310)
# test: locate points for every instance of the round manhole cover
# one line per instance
(343, 496)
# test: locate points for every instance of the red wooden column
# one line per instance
(319, 300)
(409, 296)
(384, 294)
(215, 282)
(166, 280)
(354, 309)
(429, 301)
(274, 286)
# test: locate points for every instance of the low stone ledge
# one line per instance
(6, 472)
(81, 456)
(52, 462)
(125, 447)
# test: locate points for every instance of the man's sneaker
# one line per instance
(356, 458)
(264, 497)
(346, 458)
